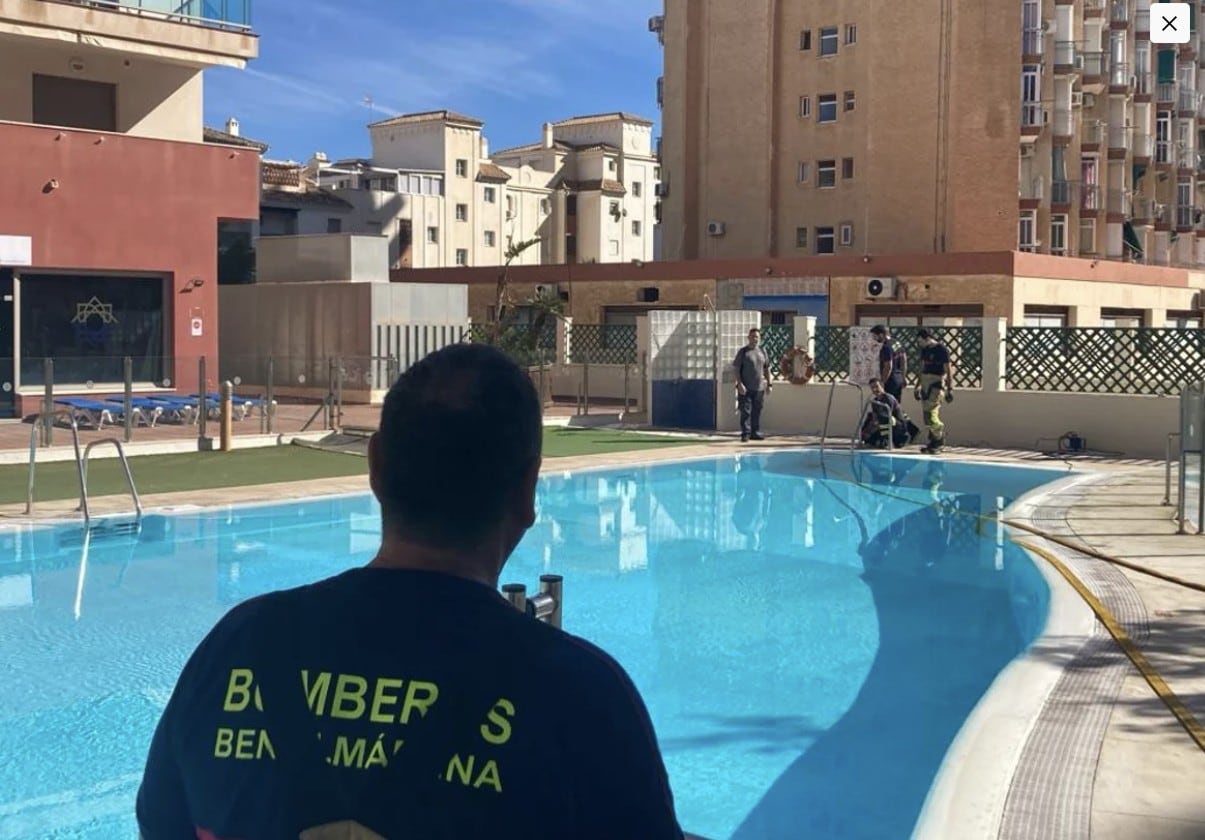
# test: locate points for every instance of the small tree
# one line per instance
(502, 298)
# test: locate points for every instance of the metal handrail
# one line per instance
(48, 417)
(829, 411)
(125, 465)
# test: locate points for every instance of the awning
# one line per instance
(1130, 237)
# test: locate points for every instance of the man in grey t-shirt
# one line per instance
(752, 385)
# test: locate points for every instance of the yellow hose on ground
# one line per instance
(1174, 704)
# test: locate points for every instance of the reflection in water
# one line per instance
(807, 646)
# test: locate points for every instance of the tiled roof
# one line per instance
(428, 116)
(490, 172)
(280, 174)
(605, 185)
(560, 145)
(313, 197)
(213, 135)
(616, 115)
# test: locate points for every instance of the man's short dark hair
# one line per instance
(459, 431)
(874, 380)
(878, 329)
(754, 330)
(923, 333)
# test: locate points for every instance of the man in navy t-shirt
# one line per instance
(407, 699)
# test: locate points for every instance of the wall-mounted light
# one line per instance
(196, 283)
(76, 64)
(51, 185)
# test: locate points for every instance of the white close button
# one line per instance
(1170, 23)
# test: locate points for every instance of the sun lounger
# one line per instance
(146, 410)
(182, 409)
(91, 412)
(242, 406)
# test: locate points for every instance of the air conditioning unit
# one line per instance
(715, 228)
(881, 288)
(1077, 99)
(661, 190)
(657, 23)
(1028, 150)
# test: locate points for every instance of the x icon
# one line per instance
(1173, 23)
(1169, 23)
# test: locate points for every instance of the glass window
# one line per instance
(826, 240)
(490, 195)
(462, 168)
(850, 100)
(88, 324)
(847, 234)
(851, 34)
(826, 173)
(827, 111)
(462, 256)
(462, 212)
(801, 237)
(805, 106)
(828, 40)
(805, 39)
(491, 239)
(847, 168)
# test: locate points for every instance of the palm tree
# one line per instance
(502, 300)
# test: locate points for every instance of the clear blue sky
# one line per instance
(514, 64)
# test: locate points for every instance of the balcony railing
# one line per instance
(1119, 136)
(1185, 215)
(1120, 75)
(1119, 11)
(1032, 41)
(1094, 7)
(1094, 63)
(1163, 151)
(1033, 115)
(1117, 201)
(1166, 91)
(1142, 21)
(1062, 191)
(1186, 159)
(1064, 122)
(1032, 189)
(220, 14)
(1089, 196)
(1065, 53)
(1188, 100)
(1144, 84)
(1143, 143)
(1142, 208)
(1201, 163)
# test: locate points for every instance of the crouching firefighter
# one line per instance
(885, 420)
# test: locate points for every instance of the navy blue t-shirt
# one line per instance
(415, 704)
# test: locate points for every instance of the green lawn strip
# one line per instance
(246, 467)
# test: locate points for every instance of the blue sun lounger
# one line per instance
(183, 409)
(242, 406)
(91, 412)
(146, 411)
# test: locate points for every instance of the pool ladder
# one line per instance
(81, 464)
(828, 412)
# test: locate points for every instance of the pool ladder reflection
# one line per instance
(47, 419)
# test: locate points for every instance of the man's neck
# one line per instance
(469, 564)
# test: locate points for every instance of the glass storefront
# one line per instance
(88, 324)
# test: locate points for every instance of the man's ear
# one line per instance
(375, 459)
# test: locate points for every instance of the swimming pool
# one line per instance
(808, 646)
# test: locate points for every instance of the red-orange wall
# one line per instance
(128, 204)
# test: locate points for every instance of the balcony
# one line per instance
(1142, 23)
(1094, 8)
(1163, 151)
(203, 33)
(1186, 159)
(1144, 85)
(1119, 137)
(1117, 202)
(1143, 145)
(1065, 53)
(1185, 216)
(1094, 64)
(1032, 42)
(1032, 189)
(1188, 101)
(1165, 92)
(1064, 122)
(1089, 197)
(1091, 134)
(1033, 117)
(1119, 11)
(1120, 77)
(1142, 210)
(1061, 192)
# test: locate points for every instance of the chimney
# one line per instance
(232, 127)
(547, 135)
(484, 152)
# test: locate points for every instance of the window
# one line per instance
(825, 240)
(462, 212)
(1163, 137)
(510, 206)
(635, 228)
(847, 234)
(801, 237)
(828, 40)
(491, 239)
(1025, 231)
(462, 256)
(570, 247)
(462, 168)
(615, 208)
(827, 110)
(805, 39)
(613, 248)
(74, 103)
(637, 189)
(851, 34)
(1183, 321)
(826, 173)
(803, 173)
(1045, 317)
(1058, 233)
(805, 106)
(125, 318)
(433, 235)
(545, 206)
(1031, 95)
(847, 168)
(849, 100)
(612, 165)
(1087, 236)
(334, 225)
(490, 194)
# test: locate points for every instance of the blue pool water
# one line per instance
(808, 646)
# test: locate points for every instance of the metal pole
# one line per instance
(269, 409)
(48, 402)
(330, 392)
(516, 593)
(1167, 468)
(586, 383)
(626, 376)
(644, 381)
(1201, 464)
(1183, 484)
(202, 400)
(339, 371)
(128, 403)
(226, 434)
(553, 586)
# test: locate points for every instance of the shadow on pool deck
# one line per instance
(868, 775)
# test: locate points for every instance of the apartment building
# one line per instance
(587, 190)
(110, 198)
(982, 125)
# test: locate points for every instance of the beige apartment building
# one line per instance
(587, 189)
(979, 125)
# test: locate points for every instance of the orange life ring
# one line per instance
(797, 367)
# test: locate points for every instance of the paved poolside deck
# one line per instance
(1106, 760)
